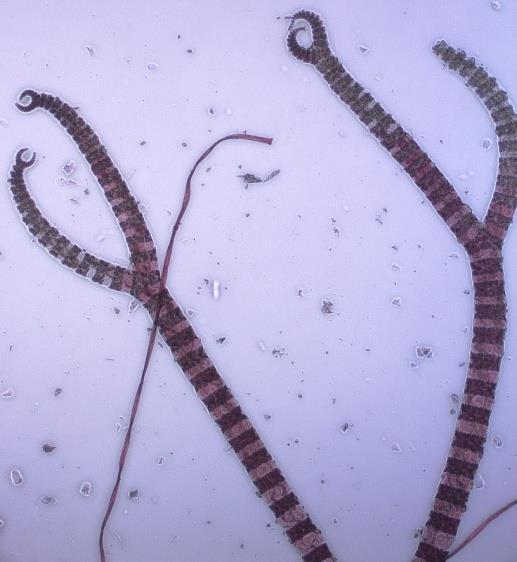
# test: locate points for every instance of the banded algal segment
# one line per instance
(482, 241)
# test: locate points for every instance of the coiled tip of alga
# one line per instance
(33, 102)
(23, 162)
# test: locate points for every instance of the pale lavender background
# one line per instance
(64, 331)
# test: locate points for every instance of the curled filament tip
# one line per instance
(33, 101)
(23, 162)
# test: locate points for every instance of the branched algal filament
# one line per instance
(482, 241)
(144, 281)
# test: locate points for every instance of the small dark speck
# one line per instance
(58, 391)
(189, 51)
(48, 448)
(133, 494)
(116, 310)
(143, 143)
(300, 395)
(344, 427)
(221, 340)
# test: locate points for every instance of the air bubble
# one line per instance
(7, 393)
(85, 489)
(454, 398)
(16, 477)
(284, 68)
(497, 440)
(261, 346)
(479, 482)
(3, 123)
(495, 5)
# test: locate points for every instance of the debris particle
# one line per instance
(69, 167)
(85, 489)
(66, 182)
(497, 440)
(48, 500)
(363, 49)
(161, 461)
(423, 352)
(395, 267)
(495, 5)
(479, 481)
(90, 50)
(267, 417)
(279, 352)
(16, 477)
(454, 398)
(2, 523)
(57, 391)
(299, 293)
(211, 111)
(48, 447)
(487, 143)
(3, 123)
(251, 178)
(344, 427)
(327, 307)
(396, 301)
(116, 310)
(395, 447)
(152, 66)
(216, 289)
(134, 495)
(220, 340)
(7, 393)
(261, 346)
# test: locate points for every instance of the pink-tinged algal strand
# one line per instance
(144, 281)
(481, 239)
